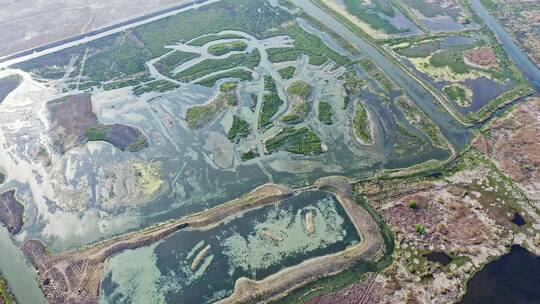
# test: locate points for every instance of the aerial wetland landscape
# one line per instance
(272, 151)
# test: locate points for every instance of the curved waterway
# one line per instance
(457, 134)
(18, 272)
(520, 59)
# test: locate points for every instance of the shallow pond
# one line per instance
(439, 257)
(7, 85)
(514, 278)
(254, 245)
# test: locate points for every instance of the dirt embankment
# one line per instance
(11, 212)
(279, 284)
(75, 276)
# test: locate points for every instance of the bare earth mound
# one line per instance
(11, 212)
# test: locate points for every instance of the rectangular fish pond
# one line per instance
(202, 266)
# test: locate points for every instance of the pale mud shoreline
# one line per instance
(75, 276)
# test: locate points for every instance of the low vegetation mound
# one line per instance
(168, 63)
(299, 88)
(239, 129)
(287, 72)
(200, 116)
(325, 113)
(361, 126)
(299, 92)
(226, 47)
(271, 102)
(208, 66)
(297, 141)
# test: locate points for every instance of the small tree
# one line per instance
(413, 204)
(420, 229)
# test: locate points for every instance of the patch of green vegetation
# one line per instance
(407, 142)
(125, 54)
(419, 50)
(376, 73)
(199, 116)
(100, 133)
(304, 43)
(120, 56)
(271, 102)
(499, 102)
(255, 17)
(420, 229)
(125, 82)
(325, 112)
(160, 86)
(297, 114)
(369, 14)
(239, 128)
(251, 154)
(97, 133)
(413, 204)
(226, 47)
(83, 85)
(200, 41)
(250, 60)
(490, 5)
(284, 54)
(360, 122)
(340, 40)
(421, 121)
(5, 294)
(287, 72)
(140, 144)
(456, 93)
(167, 63)
(352, 83)
(228, 86)
(240, 74)
(229, 98)
(297, 141)
(452, 59)
(299, 88)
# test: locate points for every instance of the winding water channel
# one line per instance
(520, 59)
(457, 134)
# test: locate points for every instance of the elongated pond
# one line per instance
(202, 266)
